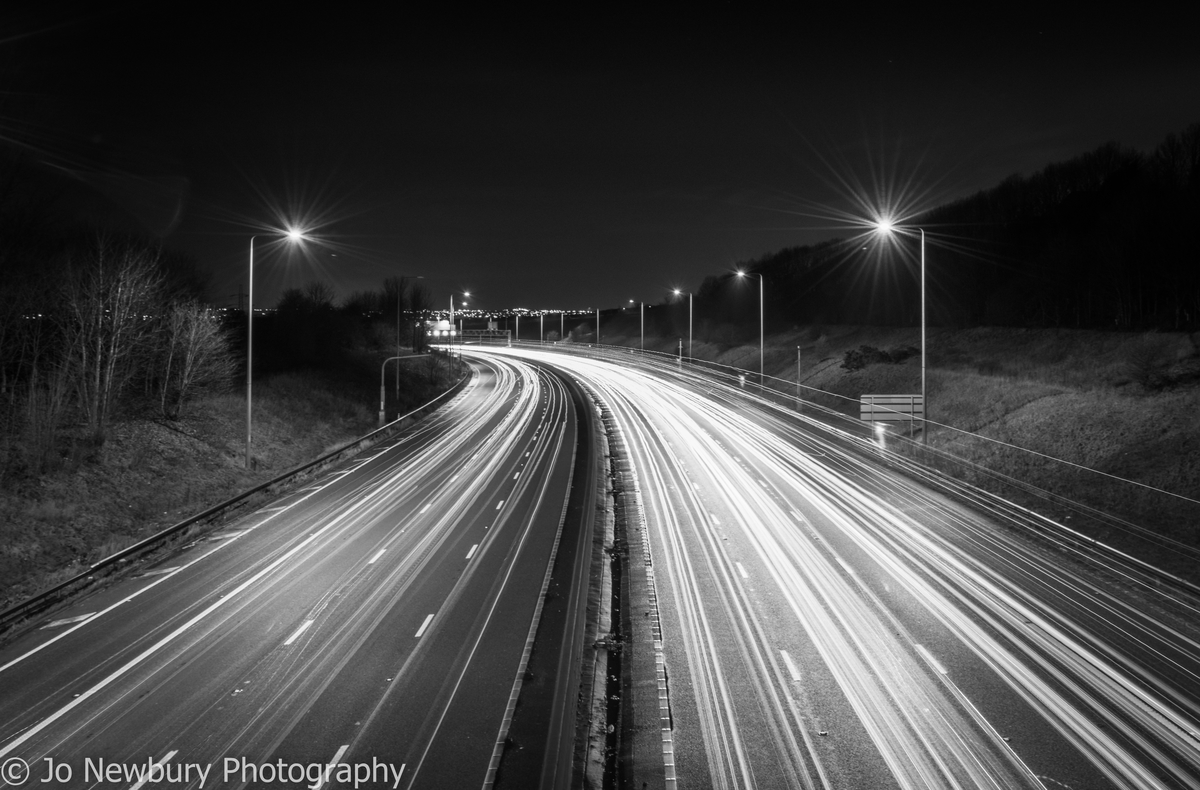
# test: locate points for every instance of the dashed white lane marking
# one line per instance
(378, 554)
(500, 504)
(329, 766)
(67, 621)
(424, 625)
(426, 507)
(296, 634)
(471, 553)
(518, 474)
(166, 759)
(742, 570)
(792, 669)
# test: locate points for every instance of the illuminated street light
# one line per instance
(689, 296)
(465, 293)
(887, 228)
(762, 337)
(292, 235)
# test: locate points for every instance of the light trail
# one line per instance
(963, 654)
(275, 632)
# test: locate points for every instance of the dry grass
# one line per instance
(149, 474)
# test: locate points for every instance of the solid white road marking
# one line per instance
(791, 666)
(471, 553)
(378, 554)
(303, 627)
(424, 625)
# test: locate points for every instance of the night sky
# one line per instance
(559, 161)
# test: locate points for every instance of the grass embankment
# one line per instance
(152, 473)
(1121, 404)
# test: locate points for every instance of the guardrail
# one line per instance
(49, 597)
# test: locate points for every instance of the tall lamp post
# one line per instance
(292, 235)
(643, 327)
(762, 337)
(689, 296)
(465, 293)
(888, 229)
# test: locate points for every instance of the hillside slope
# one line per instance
(1112, 406)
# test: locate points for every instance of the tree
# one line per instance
(419, 301)
(196, 355)
(110, 302)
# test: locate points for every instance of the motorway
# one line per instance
(830, 622)
(378, 618)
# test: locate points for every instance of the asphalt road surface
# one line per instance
(375, 620)
(829, 622)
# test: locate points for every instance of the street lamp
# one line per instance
(762, 337)
(886, 227)
(292, 235)
(643, 327)
(689, 295)
(451, 338)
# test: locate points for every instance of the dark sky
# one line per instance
(561, 160)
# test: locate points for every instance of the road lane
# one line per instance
(346, 619)
(830, 623)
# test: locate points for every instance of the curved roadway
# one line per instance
(830, 623)
(379, 617)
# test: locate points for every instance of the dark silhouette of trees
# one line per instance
(1104, 240)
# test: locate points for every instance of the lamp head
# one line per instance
(884, 226)
(295, 234)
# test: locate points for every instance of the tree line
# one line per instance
(86, 319)
(91, 323)
(1106, 240)
(96, 323)
(309, 328)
